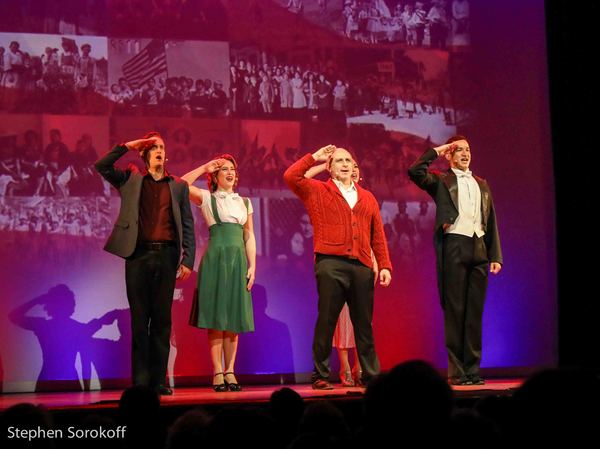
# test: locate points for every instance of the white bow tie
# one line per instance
(464, 174)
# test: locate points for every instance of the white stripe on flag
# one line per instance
(147, 64)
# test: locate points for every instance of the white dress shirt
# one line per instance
(468, 221)
(350, 193)
(230, 207)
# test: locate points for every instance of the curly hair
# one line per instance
(211, 178)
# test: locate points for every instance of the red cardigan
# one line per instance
(339, 230)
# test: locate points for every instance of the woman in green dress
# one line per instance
(223, 304)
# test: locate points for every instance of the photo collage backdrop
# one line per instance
(267, 81)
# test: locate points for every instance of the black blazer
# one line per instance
(123, 239)
(443, 188)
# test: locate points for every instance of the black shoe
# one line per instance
(321, 384)
(362, 382)
(454, 381)
(219, 388)
(164, 391)
(232, 386)
(462, 380)
(477, 380)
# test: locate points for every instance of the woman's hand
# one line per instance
(250, 278)
(214, 165)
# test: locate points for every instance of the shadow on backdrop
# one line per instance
(269, 348)
(61, 337)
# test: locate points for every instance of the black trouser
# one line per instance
(420, 34)
(150, 279)
(465, 266)
(438, 34)
(341, 280)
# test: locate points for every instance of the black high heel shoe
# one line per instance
(357, 377)
(220, 388)
(230, 385)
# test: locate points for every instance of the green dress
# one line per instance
(222, 301)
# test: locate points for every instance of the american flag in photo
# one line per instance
(147, 64)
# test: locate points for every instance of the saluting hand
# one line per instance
(322, 154)
(442, 150)
(214, 165)
(140, 144)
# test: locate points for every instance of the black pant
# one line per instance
(438, 34)
(150, 279)
(341, 280)
(420, 33)
(465, 265)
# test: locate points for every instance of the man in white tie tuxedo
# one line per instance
(467, 245)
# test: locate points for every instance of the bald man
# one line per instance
(347, 227)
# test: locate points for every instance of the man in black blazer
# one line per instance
(154, 233)
(467, 244)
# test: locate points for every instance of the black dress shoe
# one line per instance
(164, 391)
(321, 384)
(462, 380)
(362, 383)
(232, 386)
(476, 380)
(222, 387)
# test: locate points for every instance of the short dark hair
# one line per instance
(153, 134)
(455, 138)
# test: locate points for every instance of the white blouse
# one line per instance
(230, 207)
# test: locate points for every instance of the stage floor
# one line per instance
(108, 399)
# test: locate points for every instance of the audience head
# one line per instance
(410, 399)
(189, 430)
